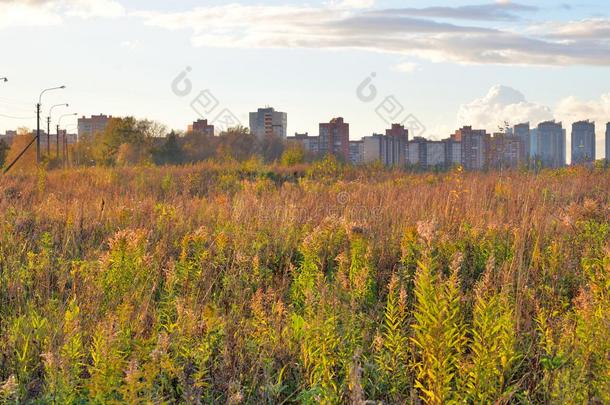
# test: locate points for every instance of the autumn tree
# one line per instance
(236, 144)
(293, 155)
(170, 151)
(28, 159)
(271, 147)
(197, 147)
(4, 148)
(120, 131)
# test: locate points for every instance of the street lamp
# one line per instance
(64, 144)
(49, 127)
(38, 119)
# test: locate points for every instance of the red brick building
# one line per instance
(505, 151)
(475, 147)
(398, 131)
(334, 138)
(201, 127)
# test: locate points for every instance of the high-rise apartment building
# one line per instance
(435, 154)
(506, 150)
(310, 144)
(93, 125)
(398, 131)
(583, 142)
(533, 147)
(201, 127)
(426, 153)
(475, 145)
(267, 121)
(417, 152)
(356, 152)
(522, 131)
(551, 144)
(389, 149)
(453, 152)
(382, 148)
(334, 138)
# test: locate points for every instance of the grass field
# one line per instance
(243, 283)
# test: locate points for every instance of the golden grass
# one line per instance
(244, 283)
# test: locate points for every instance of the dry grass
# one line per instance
(244, 283)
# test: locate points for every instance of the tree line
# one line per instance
(129, 141)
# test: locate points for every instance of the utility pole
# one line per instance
(49, 127)
(66, 150)
(49, 137)
(38, 133)
(38, 120)
(64, 143)
(57, 143)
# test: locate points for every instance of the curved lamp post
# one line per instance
(49, 127)
(38, 119)
(64, 143)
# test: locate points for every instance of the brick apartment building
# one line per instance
(334, 138)
(506, 151)
(201, 127)
(475, 147)
(93, 125)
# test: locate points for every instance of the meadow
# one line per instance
(320, 283)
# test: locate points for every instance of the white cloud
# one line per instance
(94, 8)
(14, 14)
(407, 31)
(571, 109)
(357, 24)
(405, 67)
(504, 103)
(352, 3)
(34, 13)
(501, 104)
(498, 11)
(130, 44)
(591, 28)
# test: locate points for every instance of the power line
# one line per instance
(16, 118)
(14, 101)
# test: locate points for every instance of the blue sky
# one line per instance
(446, 62)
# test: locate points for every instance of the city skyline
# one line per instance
(509, 146)
(522, 61)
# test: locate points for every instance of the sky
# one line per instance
(435, 65)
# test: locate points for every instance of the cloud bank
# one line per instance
(434, 33)
(501, 104)
(501, 32)
(37, 13)
(505, 104)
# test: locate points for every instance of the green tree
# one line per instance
(236, 144)
(271, 148)
(170, 151)
(293, 155)
(121, 131)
